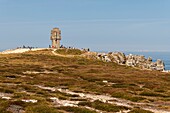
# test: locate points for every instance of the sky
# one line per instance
(101, 25)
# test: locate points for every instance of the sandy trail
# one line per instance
(20, 50)
(69, 56)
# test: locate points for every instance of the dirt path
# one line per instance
(68, 56)
(120, 102)
(105, 99)
(20, 50)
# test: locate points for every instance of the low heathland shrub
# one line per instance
(104, 106)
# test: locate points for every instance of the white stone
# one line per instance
(30, 100)
(7, 98)
(105, 81)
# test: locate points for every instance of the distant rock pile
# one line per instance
(143, 63)
(129, 60)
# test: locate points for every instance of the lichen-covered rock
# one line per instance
(117, 57)
(160, 66)
(130, 60)
(104, 57)
(143, 63)
(152, 66)
(16, 109)
(149, 60)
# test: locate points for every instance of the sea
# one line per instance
(165, 56)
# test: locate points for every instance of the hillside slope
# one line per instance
(37, 81)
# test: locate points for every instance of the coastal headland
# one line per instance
(73, 80)
(138, 61)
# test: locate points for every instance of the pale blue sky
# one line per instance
(102, 25)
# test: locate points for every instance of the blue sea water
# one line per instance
(165, 56)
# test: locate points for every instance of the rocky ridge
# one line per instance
(130, 60)
(117, 57)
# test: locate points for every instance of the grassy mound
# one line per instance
(69, 51)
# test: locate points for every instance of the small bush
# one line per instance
(152, 94)
(5, 90)
(139, 111)
(135, 99)
(120, 85)
(20, 95)
(127, 97)
(9, 91)
(3, 106)
(19, 103)
(41, 109)
(103, 106)
(69, 51)
(76, 110)
(160, 90)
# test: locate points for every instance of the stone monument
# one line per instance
(55, 37)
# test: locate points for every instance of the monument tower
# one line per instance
(55, 37)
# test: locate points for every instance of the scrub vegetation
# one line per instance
(21, 74)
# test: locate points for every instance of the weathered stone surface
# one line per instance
(117, 57)
(104, 57)
(130, 60)
(15, 109)
(160, 66)
(142, 62)
(55, 37)
(152, 66)
(149, 60)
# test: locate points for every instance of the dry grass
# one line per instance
(69, 51)
(77, 74)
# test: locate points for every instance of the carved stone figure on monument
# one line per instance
(55, 37)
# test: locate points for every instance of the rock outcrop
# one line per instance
(143, 63)
(117, 57)
(15, 109)
(160, 65)
(131, 60)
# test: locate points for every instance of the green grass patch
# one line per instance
(152, 94)
(120, 85)
(41, 109)
(127, 96)
(139, 111)
(76, 110)
(69, 51)
(7, 90)
(3, 106)
(103, 106)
